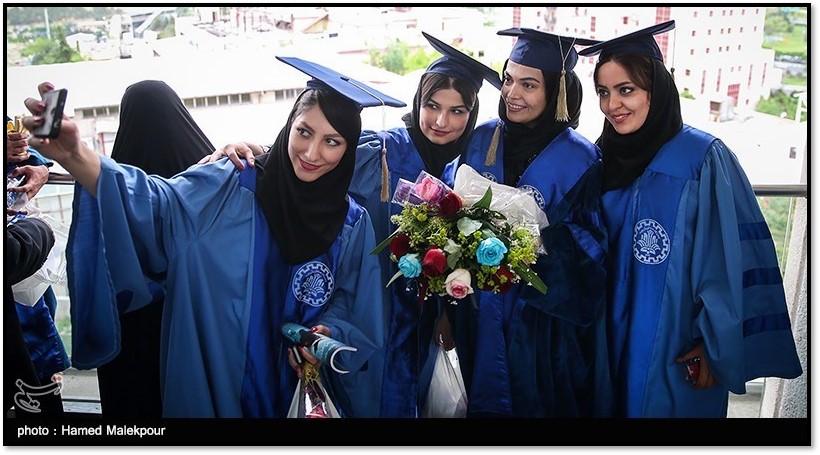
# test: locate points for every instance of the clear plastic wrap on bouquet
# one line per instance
(427, 188)
(517, 205)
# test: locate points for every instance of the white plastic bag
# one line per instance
(304, 400)
(447, 397)
(53, 271)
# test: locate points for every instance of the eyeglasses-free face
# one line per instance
(314, 146)
(623, 102)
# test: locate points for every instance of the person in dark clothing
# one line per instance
(152, 117)
(28, 242)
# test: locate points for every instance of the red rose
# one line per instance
(495, 280)
(450, 204)
(434, 262)
(400, 245)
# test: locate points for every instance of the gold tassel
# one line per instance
(561, 112)
(490, 159)
(385, 175)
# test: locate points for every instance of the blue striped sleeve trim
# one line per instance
(754, 231)
(766, 323)
(755, 277)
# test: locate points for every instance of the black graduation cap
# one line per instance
(544, 50)
(640, 42)
(358, 92)
(460, 65)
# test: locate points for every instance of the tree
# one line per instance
(778, 103)
(44, 51)
(398, 59)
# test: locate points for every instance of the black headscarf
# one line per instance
(305, 217)
(627, 156)
(523, 143)
(435, 156)
(156, 132)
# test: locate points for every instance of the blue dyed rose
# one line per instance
(410, 266)
(490, 251)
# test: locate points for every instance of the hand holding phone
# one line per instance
(52, 115)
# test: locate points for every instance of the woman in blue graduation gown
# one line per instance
(238, 253)
(523, 353)
(692, 265)
(437, 130)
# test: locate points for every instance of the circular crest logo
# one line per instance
(313, 284)
(533, 191)
(489, 176)
(650, 242)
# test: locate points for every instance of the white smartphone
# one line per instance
(53, 115)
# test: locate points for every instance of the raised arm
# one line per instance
(67, 149)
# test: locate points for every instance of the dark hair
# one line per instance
(342, 113)
(638, 67)
(433, 82)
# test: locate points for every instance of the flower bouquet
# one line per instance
(482, 232)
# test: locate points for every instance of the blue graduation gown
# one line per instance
(692, 259)
(409, 326)
(202, 236)
(523, 353)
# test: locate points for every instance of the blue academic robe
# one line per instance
(409, 325)
(526, 354)
(691, 259)
(203, 238)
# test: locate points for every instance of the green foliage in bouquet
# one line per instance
(445, 246)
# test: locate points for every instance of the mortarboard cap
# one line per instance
(549, 53)
(640, 42)
(358, 92)
(460, 65)
(543, 50)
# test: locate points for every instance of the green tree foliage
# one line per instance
(777, 22)
(165, 26)
(778, 103)
(398, 59)
(44, 51)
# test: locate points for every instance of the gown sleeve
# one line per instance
(573, 268)
(120, 243)
(366, 183)
(28, 242)
(354, 314)
(355, 317)
(742, 318)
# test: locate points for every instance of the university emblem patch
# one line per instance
(533, 191)
(650, 243)
(489, 176)
(313, 284)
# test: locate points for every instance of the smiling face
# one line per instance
(314, 146)
(444, 117)
(623, 102)
(524, 93)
